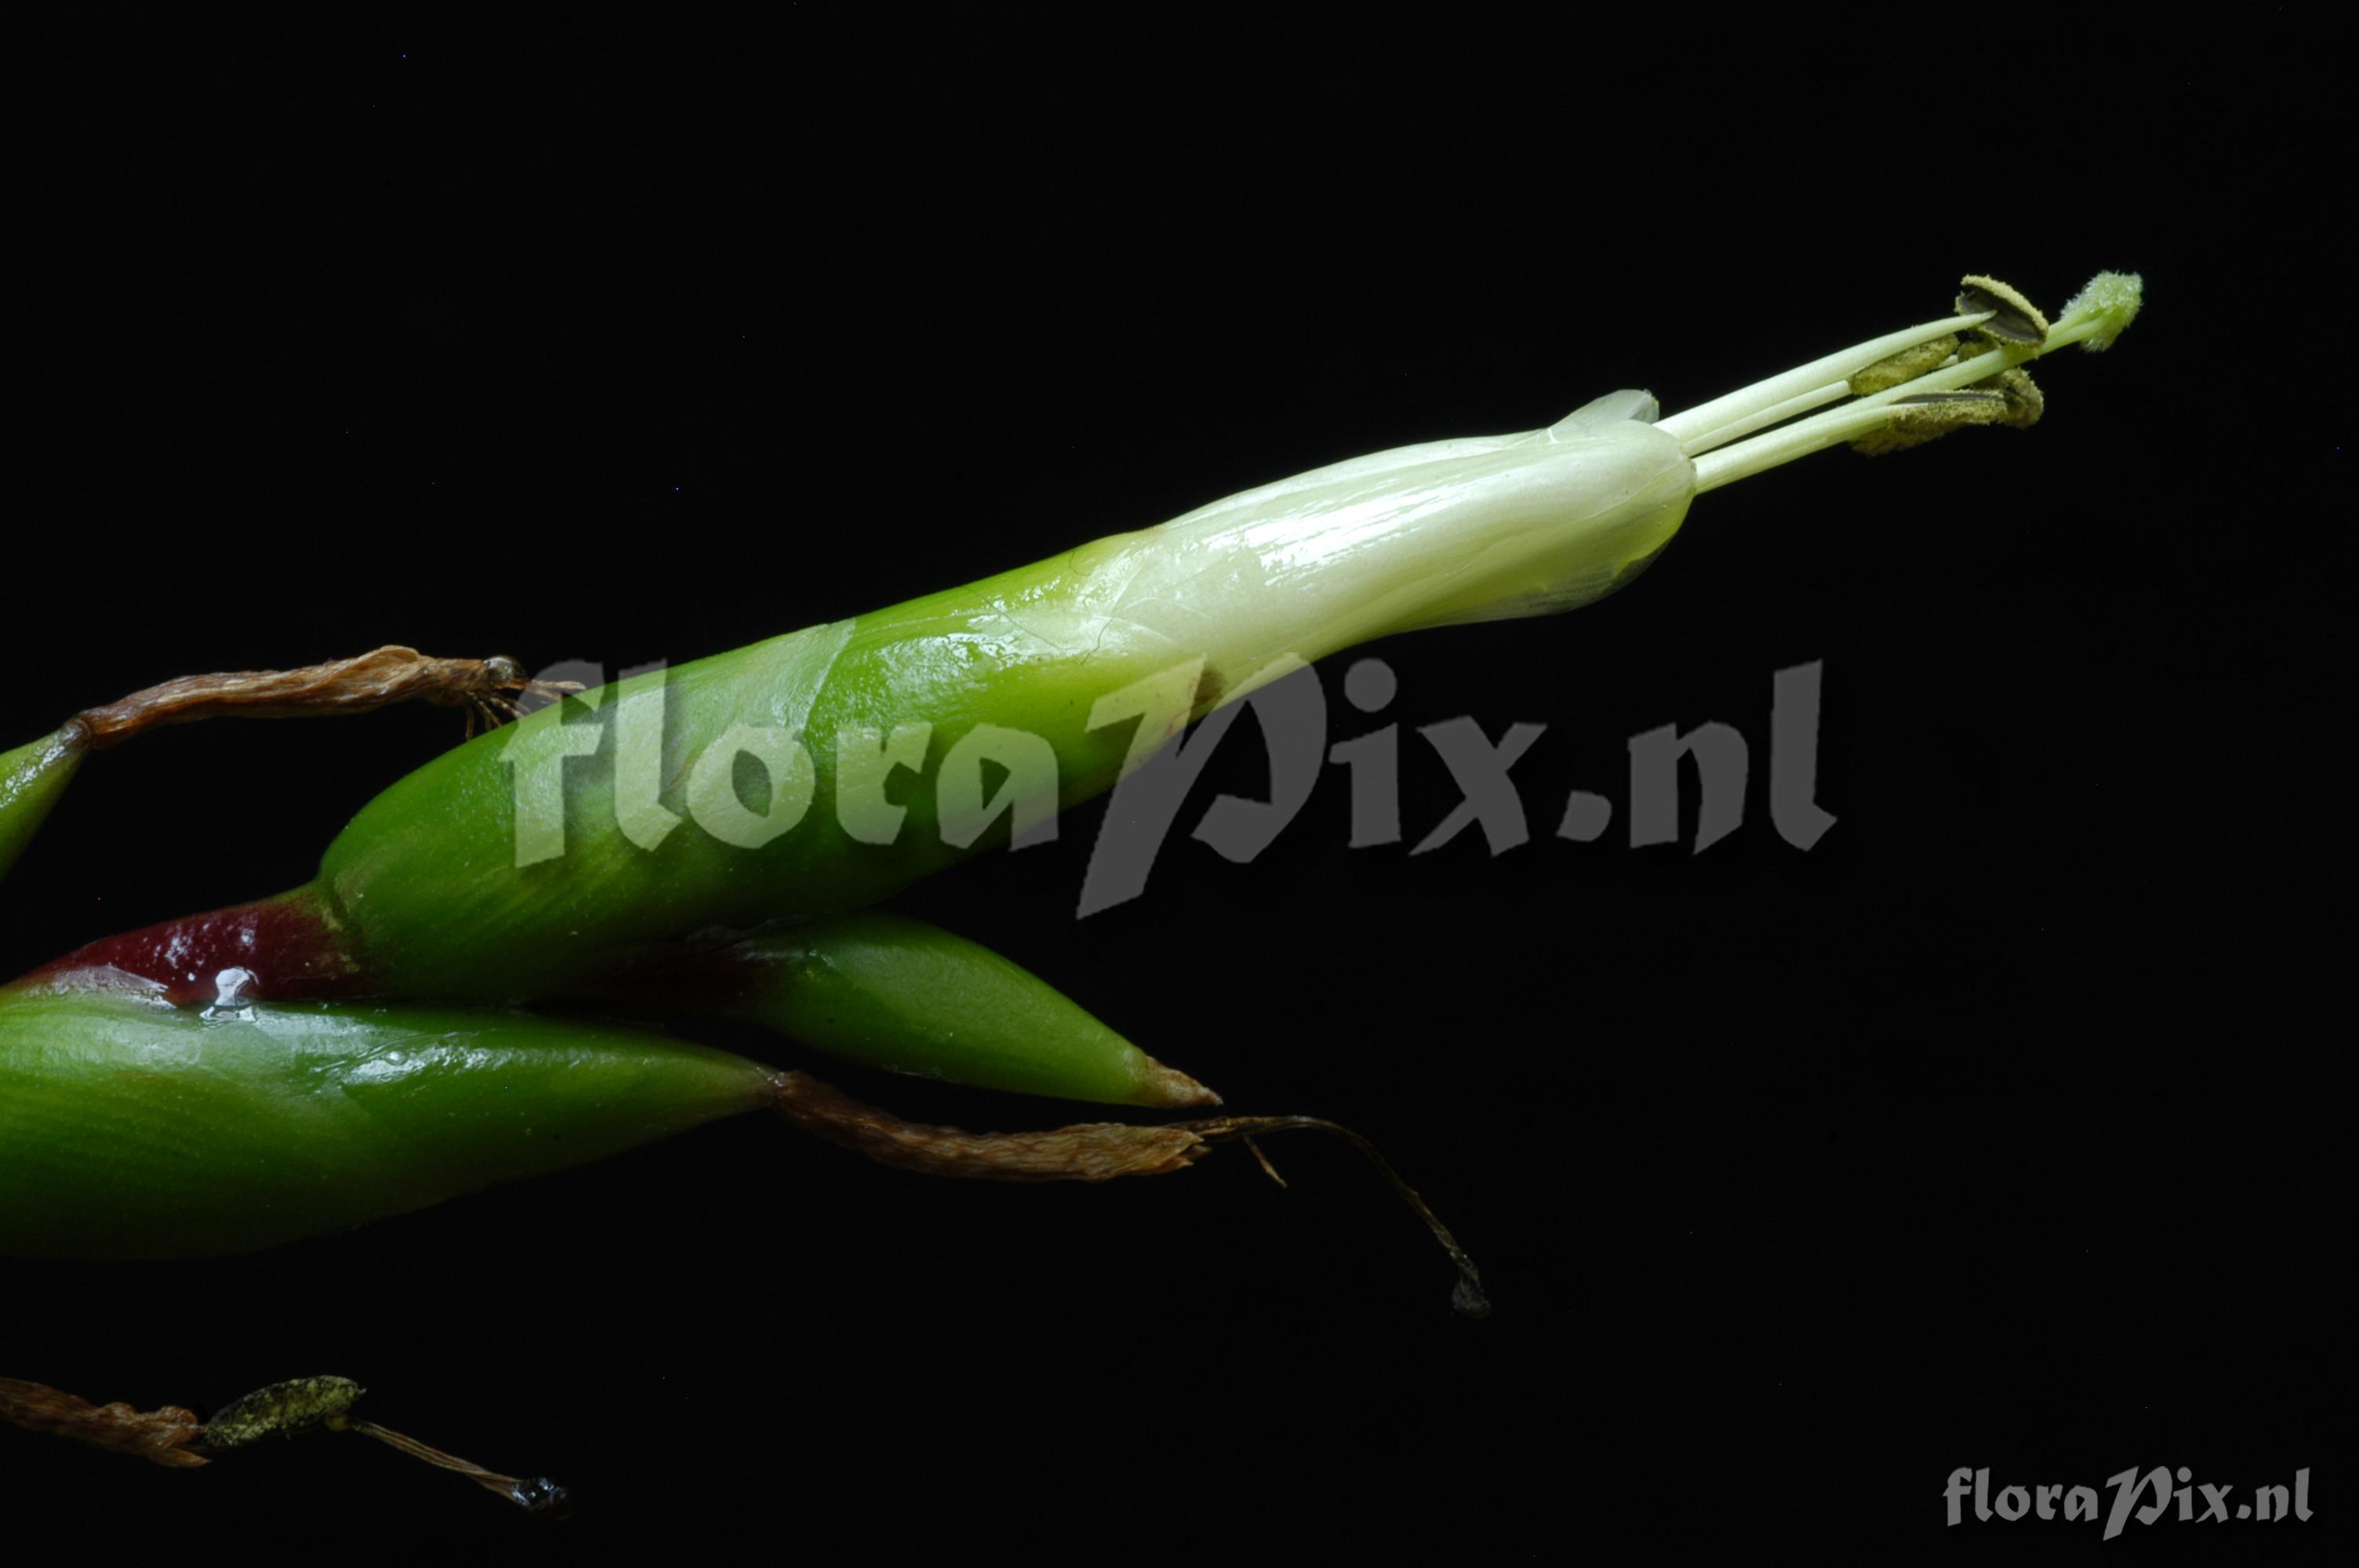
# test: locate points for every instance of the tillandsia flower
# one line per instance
(600, 849)
(351, 1049)
(440, 882)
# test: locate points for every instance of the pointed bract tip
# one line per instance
(31, 779)
(1168, 1086)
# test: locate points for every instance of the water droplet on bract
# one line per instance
(231, 988)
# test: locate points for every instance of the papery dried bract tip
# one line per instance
(162, 1436)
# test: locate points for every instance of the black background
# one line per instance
(1995, 1130)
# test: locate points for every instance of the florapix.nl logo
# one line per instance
(751, 784)
(2196, 1501)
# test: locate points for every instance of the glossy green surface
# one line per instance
(912, 998)
(132, 1128)
(426, 879)
(31, 779)
(439, 896)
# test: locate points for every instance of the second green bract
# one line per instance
(130, 1128)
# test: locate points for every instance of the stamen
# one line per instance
(2097, 316)
(1707, 425)
(2013, 318)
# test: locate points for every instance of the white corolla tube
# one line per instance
(1487, 528)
